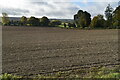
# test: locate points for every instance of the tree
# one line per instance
(98, 22)
(5, 19)
(82, 19)
(32, 21)
(23, 20)
(44, 21)
(108, 15)
(116, 17)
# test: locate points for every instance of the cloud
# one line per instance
(15, 11)
(56, 9)
(42, 8)
(95, 8)
(53, 8)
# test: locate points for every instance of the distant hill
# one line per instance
(14, 18)
(63, 20)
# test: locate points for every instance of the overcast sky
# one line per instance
(54, 8)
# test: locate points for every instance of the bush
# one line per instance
(71, 25)
(55, 23)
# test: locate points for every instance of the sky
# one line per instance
(62, 9)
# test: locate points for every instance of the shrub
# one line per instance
(55, 23)
(71, 24)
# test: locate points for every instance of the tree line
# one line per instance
(32, 21)
(81, 20)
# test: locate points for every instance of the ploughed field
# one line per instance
(41, 50)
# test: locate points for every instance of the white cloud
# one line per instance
(53, 8)
(30, 8)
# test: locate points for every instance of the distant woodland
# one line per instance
(81, 20)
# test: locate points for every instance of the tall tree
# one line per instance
(82, 19)
(116, 17)
(108, 15)
(23, 20)
(5, 19)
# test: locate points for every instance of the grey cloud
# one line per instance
(40, 3)
(44, 4)
(14, 11)
(55, 9)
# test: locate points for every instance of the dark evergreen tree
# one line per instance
(108, 15)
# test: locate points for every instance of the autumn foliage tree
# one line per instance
(98, 22)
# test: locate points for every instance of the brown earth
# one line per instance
(41, 50)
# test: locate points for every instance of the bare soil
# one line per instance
(29, 51)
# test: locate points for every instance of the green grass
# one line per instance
(94, 72)
(9, 77)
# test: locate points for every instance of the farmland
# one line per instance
(30, 51)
